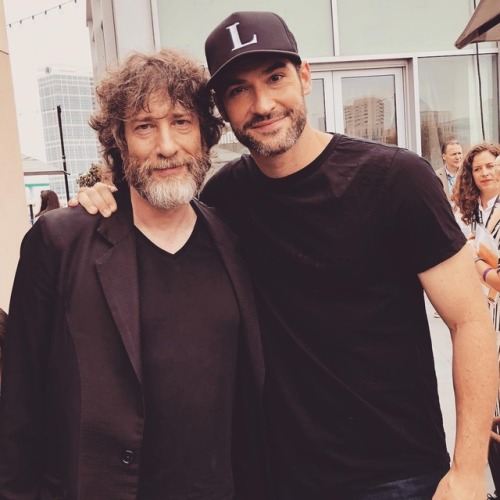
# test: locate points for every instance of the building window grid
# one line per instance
(75, 96)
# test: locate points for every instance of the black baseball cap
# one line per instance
(245, 33)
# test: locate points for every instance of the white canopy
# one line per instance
(32, 166)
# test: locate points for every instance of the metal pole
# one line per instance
(62, 151)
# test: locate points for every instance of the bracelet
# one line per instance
(478, 259)
(485, 273)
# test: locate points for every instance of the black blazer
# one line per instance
(71, 409)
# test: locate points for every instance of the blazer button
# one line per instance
(128, 457)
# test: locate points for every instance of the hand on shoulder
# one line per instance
(98, 198)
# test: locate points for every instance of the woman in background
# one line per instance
(476, 196)
(50, 201)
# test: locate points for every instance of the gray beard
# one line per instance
(268, 148)
(168, 192)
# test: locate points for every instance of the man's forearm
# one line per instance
(475, 378)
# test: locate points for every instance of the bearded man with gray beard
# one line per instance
(133, 365)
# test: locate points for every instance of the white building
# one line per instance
(73, 90)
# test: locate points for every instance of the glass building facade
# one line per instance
(384, 70)
(73, 90)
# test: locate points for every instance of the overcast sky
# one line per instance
(58, 38)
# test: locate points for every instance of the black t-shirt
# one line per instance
(189, 331)
(351, 394)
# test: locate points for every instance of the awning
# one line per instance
(32, 166)
(483, 25)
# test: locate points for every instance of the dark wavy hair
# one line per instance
(466, 193)
(126, 91)
(50, 201)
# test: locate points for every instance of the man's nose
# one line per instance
(264, 102)
(167, 145)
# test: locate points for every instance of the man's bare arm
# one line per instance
(454, 290)
(98, 198)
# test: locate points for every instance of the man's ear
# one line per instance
(305, 77)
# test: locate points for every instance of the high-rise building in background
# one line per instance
(370, 118)
(73, 90)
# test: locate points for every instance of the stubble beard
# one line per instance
(169, 191)
(273, 145)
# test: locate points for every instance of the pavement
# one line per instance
(441, 344)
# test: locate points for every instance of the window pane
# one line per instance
(369, 108)
(316, 105)
(450, 102)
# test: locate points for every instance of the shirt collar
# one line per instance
(489, 205)
(449, 174)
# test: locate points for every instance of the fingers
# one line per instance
(98, 198)
(84, 200)
(496, 424)
(495, 437)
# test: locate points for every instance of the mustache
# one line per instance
(256, 119)
(166, 164)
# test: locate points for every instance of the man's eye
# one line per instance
(276, 77)
(143, 126)
(235, 91)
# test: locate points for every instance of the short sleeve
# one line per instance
(425, 228)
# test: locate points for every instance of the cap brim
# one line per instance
(216, 76)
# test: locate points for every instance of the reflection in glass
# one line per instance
(369, 108)
(315, 102)
(450, 104)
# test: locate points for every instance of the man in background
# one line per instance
(451, 152)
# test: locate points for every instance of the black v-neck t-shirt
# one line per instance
(189, 332)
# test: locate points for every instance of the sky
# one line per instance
(59, 37)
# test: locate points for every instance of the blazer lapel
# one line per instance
(225, 241)
(117, 271)
(444, 181)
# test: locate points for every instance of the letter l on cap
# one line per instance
(235, 37)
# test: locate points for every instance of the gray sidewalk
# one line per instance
(441, 343)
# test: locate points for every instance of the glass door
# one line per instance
(365, 103)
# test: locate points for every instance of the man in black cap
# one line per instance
(343, 236)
